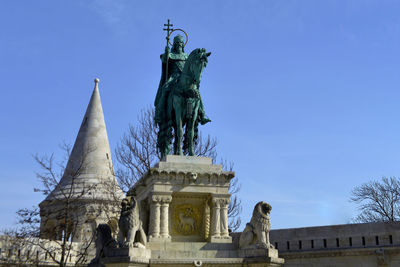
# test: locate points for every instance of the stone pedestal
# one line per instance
(258, 252)
(184, 209)
(261, 257)
(130, 256)
(187, 200)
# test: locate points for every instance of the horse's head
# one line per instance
(197, 60)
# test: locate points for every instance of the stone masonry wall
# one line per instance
(368, 244)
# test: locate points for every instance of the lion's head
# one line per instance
(262, 208)
(128, 203)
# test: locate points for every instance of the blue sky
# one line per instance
(303, 95)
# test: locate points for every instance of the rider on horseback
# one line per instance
(176, 61)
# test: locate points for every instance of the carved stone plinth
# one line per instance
(261, 257)
(187, 200)
(130, 256)
(184, 209)
(258, 252)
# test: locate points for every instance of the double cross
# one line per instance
(168, 29)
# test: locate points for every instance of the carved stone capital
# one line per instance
(160, 199)
(223, 202)
(220, 202)
(165, 199)
(215, 202)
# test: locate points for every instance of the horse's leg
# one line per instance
(175, 134)
(178, 129)
(176, 145)
(190, 128)
(174, 124)
(178, 136)
(161, 140)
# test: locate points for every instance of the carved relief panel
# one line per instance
(188, 217)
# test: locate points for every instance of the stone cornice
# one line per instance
(228, 174)
(175, 177)
(184, 171)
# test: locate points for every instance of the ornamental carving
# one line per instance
(187, 219)
(158, 199)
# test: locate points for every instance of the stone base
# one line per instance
(261, 256)
(159, 239)
(264, 262)
(208, 254)
(168, 254)
(220, 239)
(258, 252)
(189, 196)
(130, 256)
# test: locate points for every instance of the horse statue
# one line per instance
(185, 107)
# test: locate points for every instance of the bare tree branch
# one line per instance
(378, 201)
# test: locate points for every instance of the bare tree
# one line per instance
(235, 206)
(137, 153)
(378, 201)
(58, 242)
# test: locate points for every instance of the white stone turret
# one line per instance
(89, 169)
(88, 193)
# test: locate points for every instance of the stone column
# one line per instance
(224, 217)
(207, 219)
(154, 224)
(164, 227)
(215, 220)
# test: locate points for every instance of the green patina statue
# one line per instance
(178, 103)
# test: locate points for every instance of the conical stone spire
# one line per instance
(89, 172)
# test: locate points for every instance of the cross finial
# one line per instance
(168, 29)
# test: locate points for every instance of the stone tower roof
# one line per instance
(89, 173)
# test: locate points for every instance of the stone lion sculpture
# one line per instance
(256, 233)
(129, 224)
(104, 242)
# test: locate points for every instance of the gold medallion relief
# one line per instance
(187, 219)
